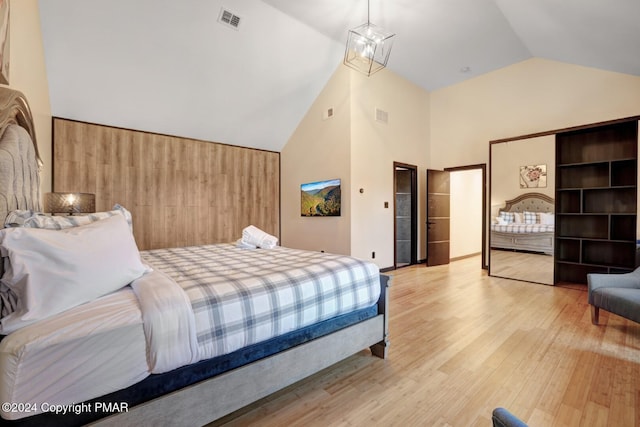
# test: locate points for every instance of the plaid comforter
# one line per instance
(523, 228)
(240, 297)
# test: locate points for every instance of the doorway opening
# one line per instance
(405, 184)
(469, 212)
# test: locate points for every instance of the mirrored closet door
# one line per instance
(522, 216)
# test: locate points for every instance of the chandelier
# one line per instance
(368, 47)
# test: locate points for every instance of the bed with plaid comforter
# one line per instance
(523, 228)
(239, 297)
(523, 237)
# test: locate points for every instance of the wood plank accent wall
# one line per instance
(180, 191)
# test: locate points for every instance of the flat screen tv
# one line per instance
(321, 198)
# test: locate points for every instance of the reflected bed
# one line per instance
(526, 224)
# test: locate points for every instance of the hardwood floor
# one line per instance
(532, 267)
(463, 343)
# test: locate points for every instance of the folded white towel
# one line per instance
(252, 235)
(243, 245)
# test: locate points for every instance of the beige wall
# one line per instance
(374, 148)
(506, 159)
(447, 128)
(532, 96)
(28, 74)
(354, 147)
(318, 150)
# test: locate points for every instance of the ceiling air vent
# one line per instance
(229, 19)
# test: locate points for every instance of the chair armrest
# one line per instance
(503, 418)
(624, 280)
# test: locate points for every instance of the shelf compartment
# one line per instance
(576, 273)
(608, 253)
(603, 143)
(569, 201)
(624, 173)
(592, 175)
(583, 226)
(623, 227)
(568, 250)
(610, 200)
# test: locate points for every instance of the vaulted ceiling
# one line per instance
(170, 67)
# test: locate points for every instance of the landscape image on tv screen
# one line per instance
(320, 198)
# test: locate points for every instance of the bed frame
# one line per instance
(223, 394)
(539, 242)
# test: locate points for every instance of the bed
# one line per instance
(525, 223)
(195, 334)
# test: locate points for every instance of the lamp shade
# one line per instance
(70, 203)
(368, 48)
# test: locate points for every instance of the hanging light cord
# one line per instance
(368, 22)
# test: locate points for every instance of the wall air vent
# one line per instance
(382, 116)
(229, 19)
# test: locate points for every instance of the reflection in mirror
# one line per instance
(522, 209)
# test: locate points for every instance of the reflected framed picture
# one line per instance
(534, 176)
(320, 198)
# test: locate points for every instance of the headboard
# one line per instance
(180, 191)
(20, 162)
(531, 202)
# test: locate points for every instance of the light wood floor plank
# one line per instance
(463, 343)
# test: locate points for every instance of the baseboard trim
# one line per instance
(458, 258)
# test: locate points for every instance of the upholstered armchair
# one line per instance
(616, 293)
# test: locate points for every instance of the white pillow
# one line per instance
(547, 218)
(54, 270)
(31, 219)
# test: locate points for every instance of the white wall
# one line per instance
(27, 73)
(466, 213)
(122, 63)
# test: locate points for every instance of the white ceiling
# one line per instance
(436, 39)
(168, 66)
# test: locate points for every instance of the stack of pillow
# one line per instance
(526, 217)
(54, 263)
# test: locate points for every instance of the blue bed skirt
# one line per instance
(157, 385)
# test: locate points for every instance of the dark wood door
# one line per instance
(438, 213)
